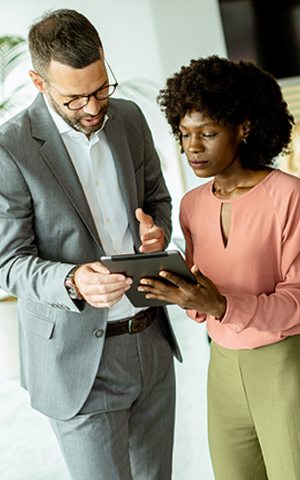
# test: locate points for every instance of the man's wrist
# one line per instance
(71, 286)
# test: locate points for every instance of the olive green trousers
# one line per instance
(254, 412)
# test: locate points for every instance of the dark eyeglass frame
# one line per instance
(94, 94)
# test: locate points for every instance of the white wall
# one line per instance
(187, 29)
(143, 39)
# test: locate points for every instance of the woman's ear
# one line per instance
(246, 128)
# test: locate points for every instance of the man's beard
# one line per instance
(74, 121)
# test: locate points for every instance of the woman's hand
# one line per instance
(203, 297)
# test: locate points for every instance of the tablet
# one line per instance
(147, 265)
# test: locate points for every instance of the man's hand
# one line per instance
(99, 287)
(152, 236)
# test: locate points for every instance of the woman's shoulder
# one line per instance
(195, 193)
(191, 199)
(283, 189)
(281, 181)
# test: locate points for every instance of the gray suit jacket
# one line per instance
(47, 228)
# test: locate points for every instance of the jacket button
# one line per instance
(99, 333)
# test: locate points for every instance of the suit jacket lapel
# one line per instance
(56, 156)
(117, 139)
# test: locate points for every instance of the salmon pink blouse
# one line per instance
(258, 271)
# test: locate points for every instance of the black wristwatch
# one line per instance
(71, 287)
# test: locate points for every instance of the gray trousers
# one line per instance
(125, 429)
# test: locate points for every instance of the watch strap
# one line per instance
(72, 289)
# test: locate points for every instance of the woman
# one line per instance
(242, 232)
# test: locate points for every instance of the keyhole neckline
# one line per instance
(243, 195)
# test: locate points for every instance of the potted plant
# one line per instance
(13, 50)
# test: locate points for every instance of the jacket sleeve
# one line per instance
(23, 273)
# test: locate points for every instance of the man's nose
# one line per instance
(93, 106)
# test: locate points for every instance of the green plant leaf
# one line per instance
(12, 52)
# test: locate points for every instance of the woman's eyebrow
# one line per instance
(201, 125)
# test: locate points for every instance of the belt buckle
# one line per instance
(130, 326)
(131, 329)
(143, 316)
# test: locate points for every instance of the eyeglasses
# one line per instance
(100, 94)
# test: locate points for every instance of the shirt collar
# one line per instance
(62, 126)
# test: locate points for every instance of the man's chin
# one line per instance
(87, 129)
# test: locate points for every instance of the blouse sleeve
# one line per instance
(199, 317)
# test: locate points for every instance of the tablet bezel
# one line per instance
(147, 265)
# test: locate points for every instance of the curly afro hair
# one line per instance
(231, 93)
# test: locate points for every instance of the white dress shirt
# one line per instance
(95, 166)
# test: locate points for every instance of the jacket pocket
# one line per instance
(37, 324)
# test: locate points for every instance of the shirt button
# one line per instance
(97, 184)
(107, 220)
(99, 333)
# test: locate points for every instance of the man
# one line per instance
(80, 178)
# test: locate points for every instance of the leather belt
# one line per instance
(132, 325)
